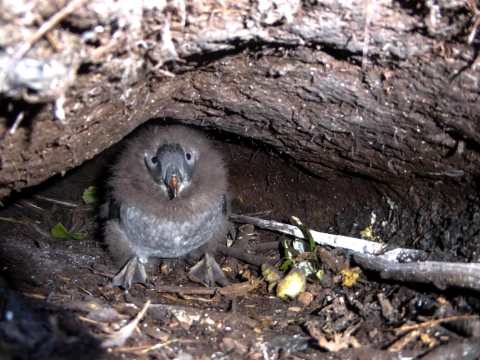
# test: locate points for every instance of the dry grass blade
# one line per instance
(118, 338)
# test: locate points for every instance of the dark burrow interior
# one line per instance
(50, 285)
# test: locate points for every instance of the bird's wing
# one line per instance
(114, 210)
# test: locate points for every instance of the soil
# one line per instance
(392, 98)
(57, 301)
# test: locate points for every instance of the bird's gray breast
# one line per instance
(152, 236)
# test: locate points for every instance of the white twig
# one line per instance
(59, 202)
(344, 242)
(17, 122)
(119, 337)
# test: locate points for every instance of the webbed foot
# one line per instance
(209, 271)
(132, 273)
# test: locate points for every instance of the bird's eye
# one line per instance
(188, 156)
(154, 160)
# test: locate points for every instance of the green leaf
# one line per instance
(310, 238)
(91, 195)
(319, 275)
(306, 233)
(286, 251)
(76, 236)
(286, 265)
(350, 276)
(59, 231)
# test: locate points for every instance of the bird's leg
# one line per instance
(132, 273)
(209, 271)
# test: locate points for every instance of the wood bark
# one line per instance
(381, 89)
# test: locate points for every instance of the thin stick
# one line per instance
(37, 229)
(344, 242)
(166, 343)
(140, 350)
(17, 122)
(118, 338)
(473, 32)
(432, 323)
(15, 221)
(422, 228)
(59, 202)
(364, 246)
(33, 205)
(184, 290)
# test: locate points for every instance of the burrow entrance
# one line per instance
(53, 287)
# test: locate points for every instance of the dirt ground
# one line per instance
(57, 301)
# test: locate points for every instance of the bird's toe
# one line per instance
(132, 273)
(209, 271)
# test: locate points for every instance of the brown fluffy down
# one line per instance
(131, 183)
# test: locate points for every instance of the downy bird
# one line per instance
(166, 198)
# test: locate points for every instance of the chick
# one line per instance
(166, 198)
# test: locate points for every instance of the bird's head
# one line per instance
(172, 167)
